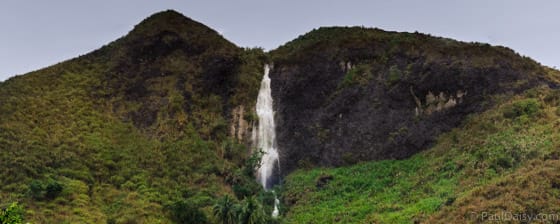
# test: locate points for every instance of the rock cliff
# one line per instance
(345, 95)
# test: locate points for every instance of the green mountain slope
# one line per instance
(502, 160)
(155, 127)
(123, 134)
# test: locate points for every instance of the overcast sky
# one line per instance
(35, 34)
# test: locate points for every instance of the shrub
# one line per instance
(253, 163)
(13, 214)
(241, 191)
(245, 187)
(53, 189)
(528, 107)
(184, 212)
(40, 190)
(36, 190)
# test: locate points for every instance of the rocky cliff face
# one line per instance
(344, 95)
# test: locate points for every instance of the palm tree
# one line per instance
(251, 212)
(225, 210)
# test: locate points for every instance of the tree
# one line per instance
(185, 212)
(253, 162)
(40, 190)
(53, 189)
(251, 212)
(13, 214)
(36, 190)
(224, 210)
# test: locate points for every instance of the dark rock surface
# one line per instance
(325, 119)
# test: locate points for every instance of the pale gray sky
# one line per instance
(36, 34)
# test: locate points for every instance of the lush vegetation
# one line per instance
(136, 132)
(505, 159)
(13, 214)
(249, 211)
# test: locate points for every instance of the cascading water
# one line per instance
(266, 133)
(276, 212)
(266, 138)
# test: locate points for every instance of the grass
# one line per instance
(389, 191)
(495, 151)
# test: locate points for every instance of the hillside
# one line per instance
(486, 117)
(350, 94)
(502, 160)
(372, 127)
(127, 132)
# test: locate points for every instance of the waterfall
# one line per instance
(266, 134)
(275, 212)
(266, 138)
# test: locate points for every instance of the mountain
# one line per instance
(346, 95)
(372, 127)
(130, 130)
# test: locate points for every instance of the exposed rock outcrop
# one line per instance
(433, 103)
(239, 127)
(344, 95)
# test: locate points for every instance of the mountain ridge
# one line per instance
(156, 125)
(328, 83)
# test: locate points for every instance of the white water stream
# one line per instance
(266, 138)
